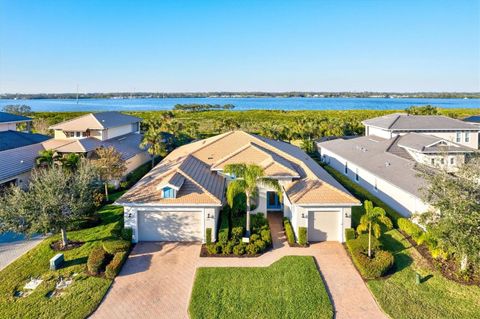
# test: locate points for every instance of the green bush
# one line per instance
(224, 225)
(115, 265)
(254, 237)
(374, 267)
(227, 248)
(410, 228)
(116, 245)
(208, 234)
(349, 234)
(360, 244)
(288, 231)
(302, 235)
(258, 221)
(252, 249)
(214, 248)
(239, 249)
(127, 234)
(261, 245)
(266, 236)
(237, 233)
(96, 260)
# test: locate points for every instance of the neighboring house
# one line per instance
(183, 195)
(17, 149)
(473, 119)
(386, 160)
(85, 134)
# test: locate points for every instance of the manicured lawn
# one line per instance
(290, 288)
(79, 299)
(436, 297)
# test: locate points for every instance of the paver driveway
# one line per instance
(157, 279)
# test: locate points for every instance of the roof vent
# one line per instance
(387, 164)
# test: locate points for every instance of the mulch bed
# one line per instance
(449, 268)
(57, 245)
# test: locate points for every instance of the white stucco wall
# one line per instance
(426, 159)
(22, 180)
(8, 127)
(370, 130)
(117, 131)
(136, 161)
(403, 202)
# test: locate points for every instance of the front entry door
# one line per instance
(273, 202)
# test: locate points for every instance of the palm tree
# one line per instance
(247, 177)
(153, 140)
(47, 158)
(373, 218)
(70, 161)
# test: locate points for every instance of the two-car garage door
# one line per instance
(170, 226)
(324, 225)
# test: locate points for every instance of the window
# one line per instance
(168, 192)
(459, 137)
(346, 168)
(77, 134)
(442, 161)
(433, 161)
(452, 160)
(356, 175)
(467, 137)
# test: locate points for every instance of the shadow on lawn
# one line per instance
(75, 262)
(397, 248)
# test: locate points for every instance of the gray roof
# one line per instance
(430, 144)
(9, 118)
(475, 119)
(15, 139)
(405, 122)
(128, 145)
(371, 153)
(16, 161)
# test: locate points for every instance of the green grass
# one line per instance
(79, 299)
(435, 297)
(289, 288)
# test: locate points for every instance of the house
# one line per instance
(183, 195)
(473, 119)
(18, 149)
(386, 160)
(85, 134)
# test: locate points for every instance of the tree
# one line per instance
(47, 158)
(109, 165)
(70, 161)
(373, 219)
(454, 220)
(54, 198)
(422, 110)
(40, 125)
(153, 141)
(247, 177)
(18, 109)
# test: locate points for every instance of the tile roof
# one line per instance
(18, 161)
(96, 121)
(199, 160)
(15, 139)
(405, 122)
(12, 118)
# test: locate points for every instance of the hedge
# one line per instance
(369, 268)
(349, 234)
(96, 260)
(115, 265)
(224, 226)
(302, 235)
(361, 243)
(208, 234)
(289, 231)
(127, 234)
(410, 228)
(115, 246)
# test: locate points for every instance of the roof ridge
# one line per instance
(396, 119)
(92, 114)
(181, 171)
(214, 139)
(70, 120)
(226, 157)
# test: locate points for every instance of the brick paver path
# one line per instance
(157, 279)
(11, 251)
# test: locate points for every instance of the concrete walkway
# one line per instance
(11, 251)
(157, 279)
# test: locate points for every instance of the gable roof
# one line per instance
(13, 118)
(15, 139)
(96, 121)
(426, 143)
(405, 122)
(199, 161)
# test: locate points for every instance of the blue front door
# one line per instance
(273, 202)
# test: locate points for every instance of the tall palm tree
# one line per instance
(70, 161)
(47, 158)
(153, 141)
(247, 177)
(373, 218)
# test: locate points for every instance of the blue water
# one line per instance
(55, 105)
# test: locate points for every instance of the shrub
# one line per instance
(114, 246)
(360, 244)
(237, 233)
(258, 221)
(96, 260)
(239, 249)
(266, 236)
(227, 248)
(410, 228)
(213, 249)
(208, 234)
(127, 234)
(302, 235)
(224, 226)
(374, 267)
(289, 231)
(252, 249)
(261, 245)
(254, 237)
(349, 234)
(115, 265)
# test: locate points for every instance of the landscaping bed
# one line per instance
(302, 241)
(68, 292)
(290, 288)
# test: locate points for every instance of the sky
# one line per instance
(264, 45)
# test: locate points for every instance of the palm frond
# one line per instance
(234, 188)
(377, 230)
(273, 183)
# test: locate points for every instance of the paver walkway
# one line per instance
(157, 279)
(11, 251)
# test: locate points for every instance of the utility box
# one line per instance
(56, 262)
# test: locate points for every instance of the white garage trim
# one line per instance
(331, 223)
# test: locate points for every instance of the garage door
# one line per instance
(323, 225)
(170, 226)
